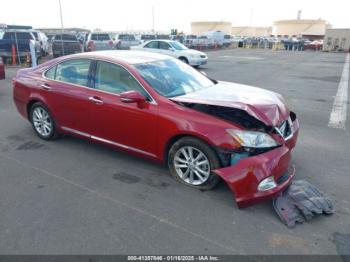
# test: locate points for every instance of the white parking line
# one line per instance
(338, 114)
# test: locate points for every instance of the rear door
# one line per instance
(127, 125)
(65, 88)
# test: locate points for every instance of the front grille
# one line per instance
(285, 129)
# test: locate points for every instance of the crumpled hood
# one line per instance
(266, 106)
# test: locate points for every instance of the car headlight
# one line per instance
(252, 139)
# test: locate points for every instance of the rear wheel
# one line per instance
(42, 122)
(191, 162)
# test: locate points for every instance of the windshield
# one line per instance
(172, 77)
(178, 46)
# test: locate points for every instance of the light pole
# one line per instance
(153, 18)
(59, 2)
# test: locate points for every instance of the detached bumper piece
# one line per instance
(301, 202)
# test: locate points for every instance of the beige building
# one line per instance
(251, 31)
(198, 28)
(301, 27)
(337, 39)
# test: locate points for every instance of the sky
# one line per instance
(112, 15)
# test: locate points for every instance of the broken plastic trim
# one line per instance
(300, 202)
(231, 157)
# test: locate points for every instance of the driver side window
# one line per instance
(153, 44)
(115, 79)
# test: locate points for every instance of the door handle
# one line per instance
(46, 87)
(96, 100)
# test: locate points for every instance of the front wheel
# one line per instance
(184, 59)
(191, 162)
(42, 122)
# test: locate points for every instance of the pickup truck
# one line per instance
(99, 41)
(125, 41)
(20, 39)
(65, 44)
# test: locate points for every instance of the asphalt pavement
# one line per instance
(71, 196)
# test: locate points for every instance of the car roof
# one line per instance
(127, 56)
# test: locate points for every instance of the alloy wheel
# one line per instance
(42, 121)
(192, 165)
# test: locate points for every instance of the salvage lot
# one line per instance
(72, 196)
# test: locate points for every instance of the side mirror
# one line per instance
(132, 97)
(172, 49)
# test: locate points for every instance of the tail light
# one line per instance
(110, 42)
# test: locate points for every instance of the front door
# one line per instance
(127, 125)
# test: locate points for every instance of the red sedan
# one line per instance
(160, 108)
(2, 69)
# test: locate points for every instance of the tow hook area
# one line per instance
(300, 202)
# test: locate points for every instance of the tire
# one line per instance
(183, 59)
(196, 66)
(183, 172)
(42, 122)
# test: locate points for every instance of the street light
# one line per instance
(59, 2)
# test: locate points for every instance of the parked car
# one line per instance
(125, 41)
(43, 41)
(145, 38)
(65, 44)
(175, 49)
(20, 39)
(100, 41)
(2, 69)
(216, 38)
(157, 107)
(314, 45)
(190, 41)
(228, 40)
(204, 41)
(163, 37)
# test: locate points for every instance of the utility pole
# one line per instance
(152, 18)
(59, 1)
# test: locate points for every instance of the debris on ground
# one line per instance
(300, 202)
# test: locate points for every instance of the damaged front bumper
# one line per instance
(244, 177)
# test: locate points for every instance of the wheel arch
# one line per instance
(184, 57)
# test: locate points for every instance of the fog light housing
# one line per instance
(267, 184)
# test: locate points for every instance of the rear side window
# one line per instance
(51, 74)
(73, 71)
(153, 44)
